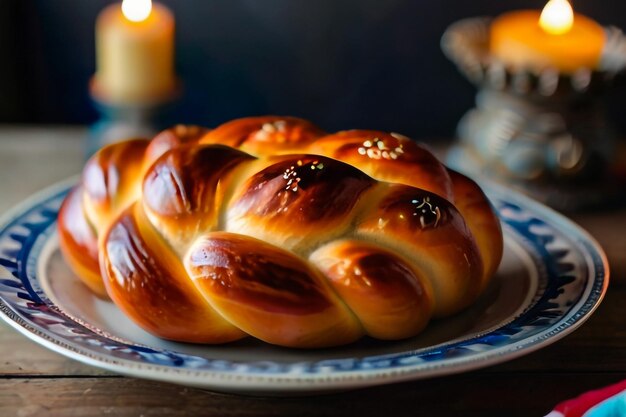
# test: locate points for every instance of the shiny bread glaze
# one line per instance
(430, 231)
(291, 236)
(302, 189)
(151, 286)
(174, 137)
(390, 298)
(79, 242)
(269, 293)
(265, 135)
(183, 190)
(388, 157)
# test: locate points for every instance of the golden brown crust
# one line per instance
(265, 135)
(183, 191)
(430, 232)
(269, 293)
(111, 181)
(79, 242)
(300, 197)
(388, 157)
(149, 284)
(390, 299)
(205, 243)
(482, 221)
(171, 138)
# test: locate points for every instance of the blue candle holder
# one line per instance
(120, 121)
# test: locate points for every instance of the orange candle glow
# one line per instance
(134, 53)
(554, 38)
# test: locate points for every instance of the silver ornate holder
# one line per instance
(545, 133)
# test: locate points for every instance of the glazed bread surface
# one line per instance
(268, 227)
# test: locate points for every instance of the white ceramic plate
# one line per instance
(551, 279)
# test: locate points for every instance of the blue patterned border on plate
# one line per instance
(562, 304)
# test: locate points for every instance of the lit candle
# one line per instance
(134, 53)
(555, 38)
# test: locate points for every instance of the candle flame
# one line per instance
(136, 10)
(557, 17)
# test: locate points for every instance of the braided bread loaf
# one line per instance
(296, 238)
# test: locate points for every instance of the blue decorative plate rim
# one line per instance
(550, 317)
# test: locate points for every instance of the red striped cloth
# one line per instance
(577, 407)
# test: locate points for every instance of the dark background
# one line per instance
(341, 63)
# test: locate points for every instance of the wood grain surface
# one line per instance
(38, 382)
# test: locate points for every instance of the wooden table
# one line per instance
(37, 382)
